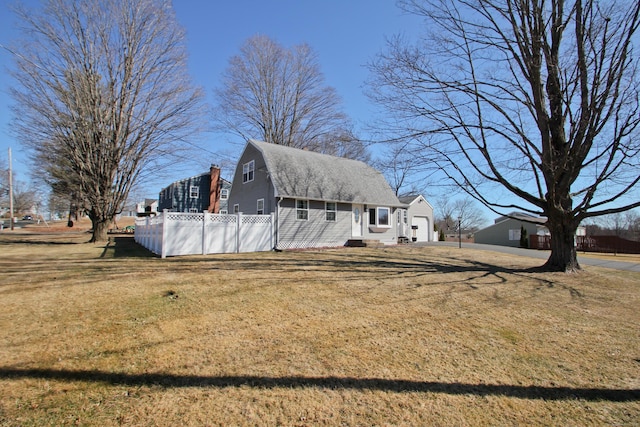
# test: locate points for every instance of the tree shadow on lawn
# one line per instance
(125, 247)
(359, 384)
(348, 261)
(345, 265)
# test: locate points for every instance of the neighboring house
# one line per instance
(204, 192)
(506, 230)
(147, 206)
(416, 221)
(317, 200)
(130, 210)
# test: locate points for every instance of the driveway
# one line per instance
(532, 253)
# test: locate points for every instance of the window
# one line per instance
(260, 207)
(236, 208)
(302, 209)
(224, 194)
(193, 210)
(380, 217)
(247, 171)
(223, 211)
(194, 192)
(330, 211)
(383, 217)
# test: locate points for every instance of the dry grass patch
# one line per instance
(97, 335)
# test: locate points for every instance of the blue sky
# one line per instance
(345, 34)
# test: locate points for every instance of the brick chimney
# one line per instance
(214, 189)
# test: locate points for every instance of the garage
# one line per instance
(421, 233)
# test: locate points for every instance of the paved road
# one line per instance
(617, 265)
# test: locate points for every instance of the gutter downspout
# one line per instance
(275, 247)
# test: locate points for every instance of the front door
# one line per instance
(356, 220)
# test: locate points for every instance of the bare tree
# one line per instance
(463, 212)
(528, 98)
(625, 225)
(278, 95)
(102, 94)
(402, 170)
(25, 197)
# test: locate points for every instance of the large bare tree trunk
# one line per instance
(100, 230)
(563, 255)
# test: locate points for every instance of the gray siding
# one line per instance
(247, 194)
(316, 231)
(498, 234)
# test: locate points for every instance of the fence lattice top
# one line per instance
(256, 219)
(185, 217)
(223, 219)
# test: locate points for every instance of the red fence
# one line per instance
(539, 242)
(609, 244)
(612, 244)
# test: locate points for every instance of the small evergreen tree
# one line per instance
(524, 241)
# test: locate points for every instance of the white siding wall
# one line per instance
(315, 232)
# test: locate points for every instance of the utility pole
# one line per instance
(10, 192)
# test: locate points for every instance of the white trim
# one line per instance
(304, 210)
(334, 211)
(376, 212)
(194, 192)
(260, 210)
(248, 171)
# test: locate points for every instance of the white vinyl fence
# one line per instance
(175, 233)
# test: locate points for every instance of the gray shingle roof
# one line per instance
(408, 199)
(306, 174)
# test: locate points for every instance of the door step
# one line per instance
(364, 243)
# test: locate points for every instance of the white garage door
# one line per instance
(422, 232)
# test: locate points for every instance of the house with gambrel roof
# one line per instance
(317, 200)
